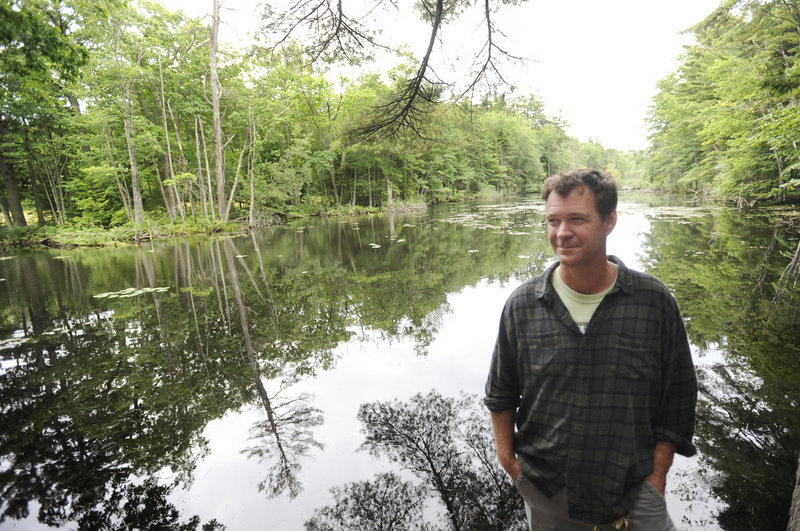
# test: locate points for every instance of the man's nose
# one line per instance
(564, 230)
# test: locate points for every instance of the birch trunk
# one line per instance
(215, 99)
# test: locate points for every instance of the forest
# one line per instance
(121, 120)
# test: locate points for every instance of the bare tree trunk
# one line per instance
(182, 157)
(12, 191)
(184, 166)
(58, 193)
(127, 119)
(14, 200)
(50, 201)
(208, 171)
(167, 202)
(389, 198)
(215, 100)
(355, 183)
(35, 190)
(121, 185)
(235, 181)
(251, 168)
(779, 162)
(332, 171)
(200, 177)
(369, 180)
(169, 167)
(6, 213)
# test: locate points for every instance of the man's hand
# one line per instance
(513, 470)
(664, 454)
(503, 424)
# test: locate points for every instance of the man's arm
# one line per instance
(503, 424)
(665, 451)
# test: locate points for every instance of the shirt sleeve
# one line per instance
(675, 419)
(502, 385)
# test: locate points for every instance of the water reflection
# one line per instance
(726, 269)
(131, 364)
(446, 444)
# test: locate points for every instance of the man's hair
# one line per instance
(601, 184)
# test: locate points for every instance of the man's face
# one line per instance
(576, 230)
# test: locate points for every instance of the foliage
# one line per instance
(726, 122)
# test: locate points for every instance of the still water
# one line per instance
(242, 379)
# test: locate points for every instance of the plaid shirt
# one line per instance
(590, 407)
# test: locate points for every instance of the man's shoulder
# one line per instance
(639, 281)
(532, 288)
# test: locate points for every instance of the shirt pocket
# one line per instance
(636, 378)
(637, 359)
(540, 353)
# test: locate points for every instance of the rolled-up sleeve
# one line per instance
(502, 385)
(674, 421)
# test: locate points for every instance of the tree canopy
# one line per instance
(727, 121)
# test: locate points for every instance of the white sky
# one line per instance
(595, 63)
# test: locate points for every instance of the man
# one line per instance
(592, 366)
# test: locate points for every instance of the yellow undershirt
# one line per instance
(580, 305)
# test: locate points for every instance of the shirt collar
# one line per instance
(545, 290)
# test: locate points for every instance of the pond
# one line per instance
(251, 380)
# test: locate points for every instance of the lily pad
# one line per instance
(130, 292)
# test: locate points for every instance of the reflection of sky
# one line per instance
(627, 238)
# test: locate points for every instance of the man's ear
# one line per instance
(610, 221)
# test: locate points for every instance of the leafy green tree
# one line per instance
(37, 57)
(723, 122)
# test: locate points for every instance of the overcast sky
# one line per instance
(595, 63)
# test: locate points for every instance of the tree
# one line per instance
(385, 504)
(337, 34)
(726, 120)
(37, 56)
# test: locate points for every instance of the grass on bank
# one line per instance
(89, 236)
(152, 228)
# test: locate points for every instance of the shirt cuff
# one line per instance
(501, 404)
(683, 445)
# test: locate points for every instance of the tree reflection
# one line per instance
(283, 438)
(141, 507)
(446, 443)
(385, 504)
(100, 393)
(733, 296)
